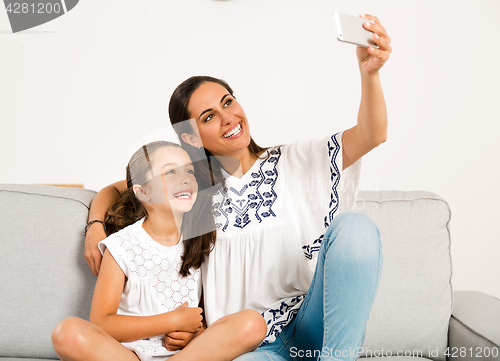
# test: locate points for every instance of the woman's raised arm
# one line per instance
(95, 233)
(371, 128)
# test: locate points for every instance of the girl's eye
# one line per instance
(208, 118)
(171, 171)
(228, 102)
(190, 171)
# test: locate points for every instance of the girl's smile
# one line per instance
(184, 195)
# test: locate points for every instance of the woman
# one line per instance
(311, 272)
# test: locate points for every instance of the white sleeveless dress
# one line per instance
(153, 284)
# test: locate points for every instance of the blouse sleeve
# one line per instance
(114, 244)
(318, 186)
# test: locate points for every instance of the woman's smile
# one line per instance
(233, 132)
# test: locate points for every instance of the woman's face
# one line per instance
(173, 183)
(221, 121)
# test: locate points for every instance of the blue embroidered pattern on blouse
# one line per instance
(308, 250)
(253, 201)
(333, 151)
(278, 318)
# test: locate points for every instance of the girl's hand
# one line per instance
(372, 59)
(188, 319)
(177, 340)
(174, 341)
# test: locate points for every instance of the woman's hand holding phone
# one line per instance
(371, 59)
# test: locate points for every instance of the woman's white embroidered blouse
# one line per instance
(270, 224)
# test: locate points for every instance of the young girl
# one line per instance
(150, 279)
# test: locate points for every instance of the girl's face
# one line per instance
(173, 182)
(221, 121)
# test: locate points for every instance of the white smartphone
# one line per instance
(350, 29)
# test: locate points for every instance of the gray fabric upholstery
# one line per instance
(413, 305)
(44, 275)
(475, 327)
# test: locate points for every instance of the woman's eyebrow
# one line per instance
(209, 110)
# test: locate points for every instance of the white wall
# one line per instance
(77, 92)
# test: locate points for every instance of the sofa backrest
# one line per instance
(44, 275)
(413, 306)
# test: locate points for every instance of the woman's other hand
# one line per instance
(95, 234)
(372, 59)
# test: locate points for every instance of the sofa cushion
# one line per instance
(414, 302)
(44, 275)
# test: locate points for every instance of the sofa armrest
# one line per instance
(474, 332)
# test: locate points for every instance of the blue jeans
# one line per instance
(331, 322)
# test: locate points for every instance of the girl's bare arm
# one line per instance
(106, 299)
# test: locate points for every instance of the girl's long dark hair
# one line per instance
(128, 210)
(210, 172)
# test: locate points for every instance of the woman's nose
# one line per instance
(227, 118)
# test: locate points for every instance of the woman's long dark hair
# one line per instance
(179, 114)
(128, 209)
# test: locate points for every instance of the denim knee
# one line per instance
(356, 233)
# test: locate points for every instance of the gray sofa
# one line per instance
(44, 277)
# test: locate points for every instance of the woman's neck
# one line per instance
(162, 226)
(238, 163)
